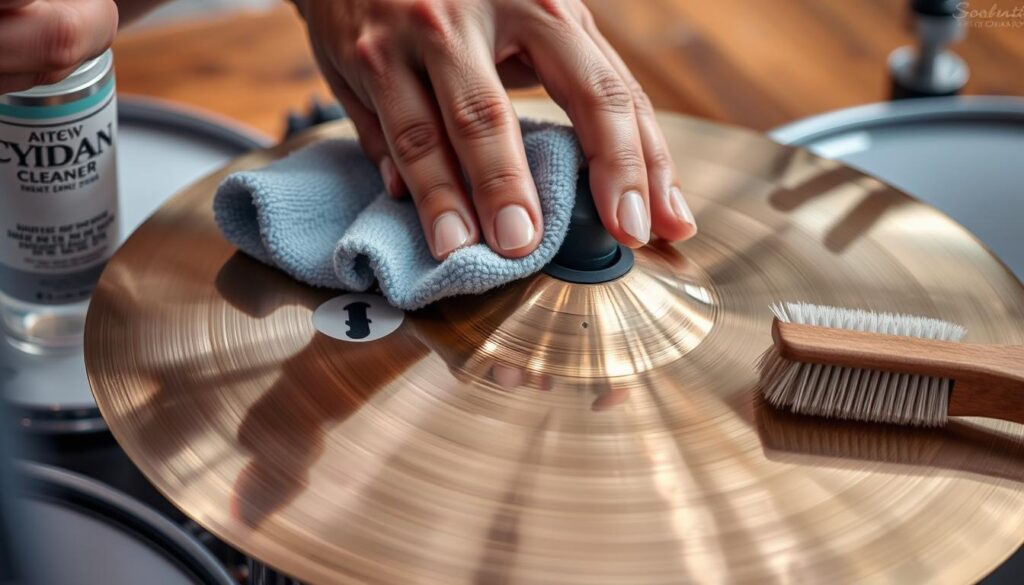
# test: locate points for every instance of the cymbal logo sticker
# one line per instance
(357, 318)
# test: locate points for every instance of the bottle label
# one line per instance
(58, 197)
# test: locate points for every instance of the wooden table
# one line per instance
(755, 63)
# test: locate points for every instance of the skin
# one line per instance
(43, 41)
(424, 82)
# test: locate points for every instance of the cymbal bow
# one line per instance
(556, 432)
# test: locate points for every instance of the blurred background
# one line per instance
(246, 65)
(756, 64)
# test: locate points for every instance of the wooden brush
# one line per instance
(885, 367)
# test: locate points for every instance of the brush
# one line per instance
(886, 367)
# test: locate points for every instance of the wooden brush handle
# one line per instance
(989, 379)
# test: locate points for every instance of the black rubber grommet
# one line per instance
(621, 264)
(899, 91)
(937, 7)
(589, 254)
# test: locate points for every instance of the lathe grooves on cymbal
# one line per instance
(562, 433)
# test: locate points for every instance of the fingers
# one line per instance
(484, 131)
(49, 36)
(6, 5)
(23, 81)
(671, 218)
(420, 150)
(422, 133)
(371, 138)
(600, 105)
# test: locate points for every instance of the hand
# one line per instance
(44, 41)
(424, 83)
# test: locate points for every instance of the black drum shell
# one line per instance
(72, 529)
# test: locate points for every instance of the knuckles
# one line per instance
(560, 16)
(500, 180)
(431, 14)
(605, 91)
(438, 21)
(435, 22)
(641, 102)
(629, 161)
(556, 9)
(372, 50)
(481, 114)
(433, 197)
(657, 158)
(415, 140)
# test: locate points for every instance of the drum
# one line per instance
(161, 149)
(76, 530)
(962, 155)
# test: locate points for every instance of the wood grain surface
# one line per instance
(753, 63)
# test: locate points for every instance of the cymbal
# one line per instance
(551, 432)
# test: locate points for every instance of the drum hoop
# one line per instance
(57, 486)
(923, 110)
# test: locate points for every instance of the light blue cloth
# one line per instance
(322, 216)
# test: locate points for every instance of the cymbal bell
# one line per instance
(550, 432)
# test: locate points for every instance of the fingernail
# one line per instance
(450, 232)
(633, 216)
(513, 227)
(679, 206)
(387, 174)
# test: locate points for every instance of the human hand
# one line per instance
(424, 83)
(44, 41)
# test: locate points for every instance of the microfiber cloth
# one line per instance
(322, 215)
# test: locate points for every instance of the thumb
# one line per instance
(52, 35)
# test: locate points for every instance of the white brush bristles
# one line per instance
(855, 393)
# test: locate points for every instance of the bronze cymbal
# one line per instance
(549, 432)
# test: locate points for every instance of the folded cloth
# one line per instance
(321, 215)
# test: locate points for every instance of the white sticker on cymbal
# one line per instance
(357, 317)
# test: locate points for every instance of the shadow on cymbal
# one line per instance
(284, 431)
(503, 534)
(329, 381)
(809, 188)
(185, 381)
(960, 446)
(859, 220)
(259, 290)
(317, 388)
(877, 199)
